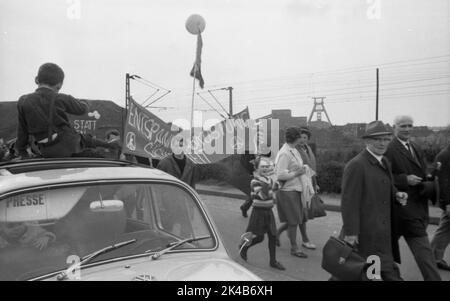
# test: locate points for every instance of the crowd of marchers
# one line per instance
(386, 188)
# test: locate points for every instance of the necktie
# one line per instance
(382, 164)
(411, 150)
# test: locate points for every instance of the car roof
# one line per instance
(32, 173)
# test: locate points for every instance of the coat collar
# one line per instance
(375, 161)
(187, 166)
(402, 149)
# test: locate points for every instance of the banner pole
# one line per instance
(192, 110)
(124, 116)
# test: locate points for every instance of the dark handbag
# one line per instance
(316, 207)
(342, 261)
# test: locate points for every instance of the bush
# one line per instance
(330, 176)
(430, 153)
(214, 171)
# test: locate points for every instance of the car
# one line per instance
(98, 219)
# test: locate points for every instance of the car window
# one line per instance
(40, 230)
(177, 214)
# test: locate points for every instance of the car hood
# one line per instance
(169, 267)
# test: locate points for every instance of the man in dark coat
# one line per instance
(369, 200)
(180, 166)
(409, 171)
(441, 237)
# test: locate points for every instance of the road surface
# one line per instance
(227, 217)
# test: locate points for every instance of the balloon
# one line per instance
(195, 24)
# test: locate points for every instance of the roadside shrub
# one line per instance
(430, 152)
(214, 171)
(330, 176)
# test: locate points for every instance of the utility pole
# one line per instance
(378, 88)
(230, 94)
(127, 97)
(230, 90)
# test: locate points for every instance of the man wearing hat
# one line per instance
(369, 200)
(441, 237)
(409, 171)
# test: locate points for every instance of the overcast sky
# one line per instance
(276, 54)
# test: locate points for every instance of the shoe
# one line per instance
(309, 245)
(299, 254)
(277, 265)
(443, 265)
(244, 212)
(277, 242)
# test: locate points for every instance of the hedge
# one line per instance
(330, 176)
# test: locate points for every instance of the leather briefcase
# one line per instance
(342, 261)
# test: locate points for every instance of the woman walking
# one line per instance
(289, 168)
(262, 220)
(309, 159)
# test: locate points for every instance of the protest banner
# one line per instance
(146, 135)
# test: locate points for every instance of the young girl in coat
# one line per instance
(262, 220)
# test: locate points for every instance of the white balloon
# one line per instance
(195, 24)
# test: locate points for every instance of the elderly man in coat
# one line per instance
(369, 200)
(409, 171)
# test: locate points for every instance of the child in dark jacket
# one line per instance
(262, 220)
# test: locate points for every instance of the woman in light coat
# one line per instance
(289, 168)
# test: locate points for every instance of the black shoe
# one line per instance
(299, 254)
(277, 242)
(244, 212)
(277, 265)
(443, 265)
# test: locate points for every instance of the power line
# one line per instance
(316, 78)
(352, 69)
(217, 101)
(359, 86)
(210, 105)
(327, 92)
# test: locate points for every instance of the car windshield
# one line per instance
(41, 230)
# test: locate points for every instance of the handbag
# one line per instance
(316, 207)
(341, 260)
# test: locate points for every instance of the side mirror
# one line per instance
(106, 206)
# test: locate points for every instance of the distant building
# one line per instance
(286, 119)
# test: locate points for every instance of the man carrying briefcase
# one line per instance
(369, 199)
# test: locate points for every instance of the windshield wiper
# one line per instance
(176, 244)
(64, 275)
